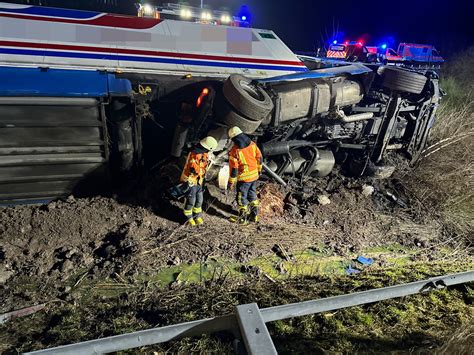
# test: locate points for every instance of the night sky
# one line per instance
(308, 24)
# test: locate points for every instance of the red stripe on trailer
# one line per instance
(148, 53)
(106, 20)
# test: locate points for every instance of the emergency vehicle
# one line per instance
(85, 96)
(385, 55)
(419, 54)
(351, 52)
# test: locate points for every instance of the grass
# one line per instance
(442, 181)
(415, 322)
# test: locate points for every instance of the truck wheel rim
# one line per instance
(251, 90)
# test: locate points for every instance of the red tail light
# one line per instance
(201, 97)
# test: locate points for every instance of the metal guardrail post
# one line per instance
(254, 332)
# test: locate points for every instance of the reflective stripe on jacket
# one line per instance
(195, 168)
(245, 164)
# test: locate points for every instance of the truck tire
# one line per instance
(231, 118)
(249, 100)
(403, 80)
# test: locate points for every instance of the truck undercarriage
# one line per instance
(305, 126)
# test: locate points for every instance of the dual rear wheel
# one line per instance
(245, 104)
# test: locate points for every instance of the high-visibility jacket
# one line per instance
(245, 164)
(195, 168)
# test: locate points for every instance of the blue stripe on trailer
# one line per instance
(61, 83)
(130, 58)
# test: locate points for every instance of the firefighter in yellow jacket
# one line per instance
(193, 174)
(245, 165)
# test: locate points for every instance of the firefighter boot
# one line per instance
(243, 216)
(253, 216)
(189, 217)
(197, 211)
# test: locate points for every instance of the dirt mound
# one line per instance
(271, 201)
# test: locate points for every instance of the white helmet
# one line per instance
(234, 131)
(209, 143)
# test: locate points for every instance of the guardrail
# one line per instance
(248, 321)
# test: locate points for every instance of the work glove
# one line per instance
(230, 186)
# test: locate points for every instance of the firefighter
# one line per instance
(245, 163)
(193, 174)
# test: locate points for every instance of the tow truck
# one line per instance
(89, 97)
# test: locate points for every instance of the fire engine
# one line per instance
(87, 96)
(354, 51)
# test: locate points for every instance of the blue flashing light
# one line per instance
(334, 42)
(243, 14)
(383, 46)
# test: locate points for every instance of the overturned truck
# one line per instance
(87, 97)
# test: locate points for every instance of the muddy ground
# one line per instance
(48, 249)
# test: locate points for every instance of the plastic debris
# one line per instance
(395, 199)
(21, 313)
(323, 200)
(351, 271)
(384, 172)
(367, 190)
(365, 261)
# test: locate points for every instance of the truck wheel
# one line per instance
(229, 117)
(403, 80)
(249, 100)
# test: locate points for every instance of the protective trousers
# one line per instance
(193, 204)
(247, 198)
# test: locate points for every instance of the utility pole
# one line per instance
(202, 4)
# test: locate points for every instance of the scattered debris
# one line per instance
(384, 172)
(351, 271)
(281, 252)
(21, 313)
(395, 199)
(367, 190)
(364, 261)
(269, 277)
(323, 200)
